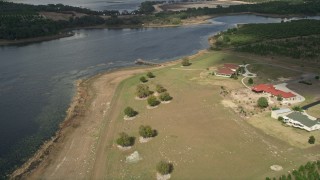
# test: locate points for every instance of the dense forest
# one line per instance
(290, 39)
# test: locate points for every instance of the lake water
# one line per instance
(37, 80)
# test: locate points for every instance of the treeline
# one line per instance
(309, 171)
(301, 47)
(311, 7)
(252, 33)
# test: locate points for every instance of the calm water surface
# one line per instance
(37, 80)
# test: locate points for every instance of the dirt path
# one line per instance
(80, 152)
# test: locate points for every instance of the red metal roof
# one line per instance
(231, 66)
(225, 71)
(272, 90)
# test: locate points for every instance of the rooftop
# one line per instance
(303, 119)
(280, 111)
(269, 88)
(226, 71)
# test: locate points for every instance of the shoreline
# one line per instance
(198, 20)
(79, 107)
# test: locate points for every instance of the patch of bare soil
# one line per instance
(144, 140)
(163, 177)
(61, 16)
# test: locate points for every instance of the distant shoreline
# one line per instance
(187, 22)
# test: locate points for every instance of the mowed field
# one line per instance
(202, 138)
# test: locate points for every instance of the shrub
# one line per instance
(128, 111)
(165, 96)
(275, 108)
(142, 91)
(160, 88)
(125, 140)
(185, 62)
(279, 98)
(153, 101)
(263, 102)
(150, 75)
(143, 79)
(147, 132)
(311, 140)
(317, 77)
(164, 167)
(250, 81)
(297, 108)
(280, 118)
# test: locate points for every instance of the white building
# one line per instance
(302, 121)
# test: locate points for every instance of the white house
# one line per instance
(302, 121)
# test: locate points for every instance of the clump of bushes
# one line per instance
(147, 132)
(165, 96)
(125, 140)
(153, 101)
(164, 167)
(279, 98)
(150, 75)
(160, 88)
(250, 81)
(130, 112)
(297, 108)
(185, 62)
(143, 91)
(263, 102)
(143, 79)
(317, 77)
(312, 140)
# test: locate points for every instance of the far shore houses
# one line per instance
(270, 89)
(227, 70)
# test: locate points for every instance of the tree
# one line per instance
(185, 62)
(263, 102)
(311, 140)
(153, 101)
(142, 91)
(125, 140)
(143, 79)
(160, 88)
(150, 75)
(147, 131)
(164, 167)
(165, 96)
(130, 112)
(250, 81)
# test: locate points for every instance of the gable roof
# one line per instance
(269, 88)
(226, 71)
(303, 119)
(231, 66)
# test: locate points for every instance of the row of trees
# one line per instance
(125, 140)
(307, 171)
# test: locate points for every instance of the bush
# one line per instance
(164, 167)
(150, 75)
(297, 108)
(250, 81)
(185, 62)
(125, 140)
(275, 108)
(160, 88)
(128, 111)
(142, 91)
(143, 79)
(147, 132)
(280, 118)
(311, 140)
(263, 102)
(153, 101)
(279, 98)
(317, 77)
(165, 96)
